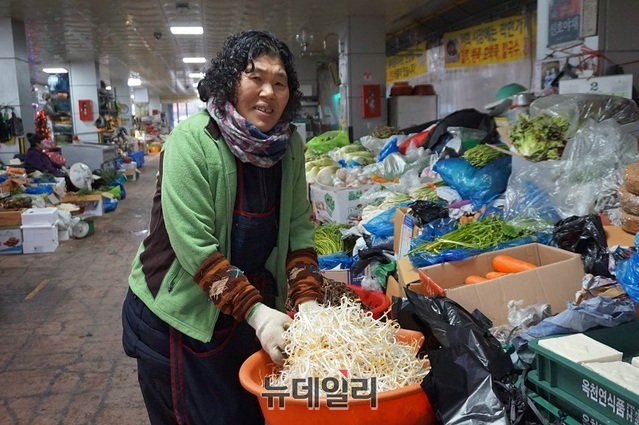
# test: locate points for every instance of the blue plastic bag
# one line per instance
(628, 276)
(39, 190)
(435, 229)
(339, 260)
(479, 185)
(382, 225)
(389, 148)
(110, 204)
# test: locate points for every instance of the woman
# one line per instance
(230, 238)
(36, 160)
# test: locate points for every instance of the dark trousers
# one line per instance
(185, 381)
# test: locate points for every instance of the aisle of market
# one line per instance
(61, 357)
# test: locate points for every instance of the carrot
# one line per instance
(493, 275)
(474, 279)
(507, 264)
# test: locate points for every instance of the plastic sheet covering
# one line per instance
(577, 108)
(585, 181)
(597, 311)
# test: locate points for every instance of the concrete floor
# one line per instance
(61, 356)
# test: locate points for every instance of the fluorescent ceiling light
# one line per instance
(132, 82)
(194, 60)
(55, 70)
(187, 30)
(198, 75)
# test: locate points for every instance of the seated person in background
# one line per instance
(36, 160)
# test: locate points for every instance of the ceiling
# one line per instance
(126, 36)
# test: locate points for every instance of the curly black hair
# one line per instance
(237, 56)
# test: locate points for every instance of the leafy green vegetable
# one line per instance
(329, 239)
(481, 155)
(540, 138)
(384, 132)
(478, 234)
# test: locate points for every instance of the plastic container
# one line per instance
(403, 406)
(401, 88)
(581, 391)
(377, 302)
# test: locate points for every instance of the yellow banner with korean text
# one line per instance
(406, 64)
(503, 40)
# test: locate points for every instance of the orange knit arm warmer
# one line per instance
(226, 286)
(304, 277)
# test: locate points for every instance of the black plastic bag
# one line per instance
(585, 235)
(461, 390)
(5, 133)
(469, 118)
(451, 324)
(469, 368)
(427, 211)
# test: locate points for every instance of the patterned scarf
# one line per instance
(246, 141)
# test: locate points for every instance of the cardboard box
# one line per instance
(93, 203)
(10, 241)
(345, 275)
(12, 183)
(11, 218)
(393, 289)
(132, 174)
(408, 274)
(406, 228)
(615, 235)
(555, 281)
(337, 205)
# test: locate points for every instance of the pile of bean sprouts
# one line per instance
(322, 342)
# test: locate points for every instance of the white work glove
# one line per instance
(269, 325)
(308, 306)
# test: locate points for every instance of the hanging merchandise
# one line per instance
(5, 133)
(15, 125)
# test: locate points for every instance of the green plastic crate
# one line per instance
(579, 390)
(552, 413)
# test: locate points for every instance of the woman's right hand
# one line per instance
(269, 325)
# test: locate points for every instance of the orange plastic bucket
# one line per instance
(403, 406)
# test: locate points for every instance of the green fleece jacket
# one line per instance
(191, 218)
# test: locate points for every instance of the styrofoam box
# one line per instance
(38, 247)
(36, 234)
(40, 216)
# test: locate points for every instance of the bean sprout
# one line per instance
(322, 342)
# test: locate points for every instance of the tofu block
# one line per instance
(635, 362)
(621, 373)
(580, 348)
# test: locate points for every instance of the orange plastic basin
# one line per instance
(403, 406)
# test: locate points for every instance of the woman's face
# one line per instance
(262, 94)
